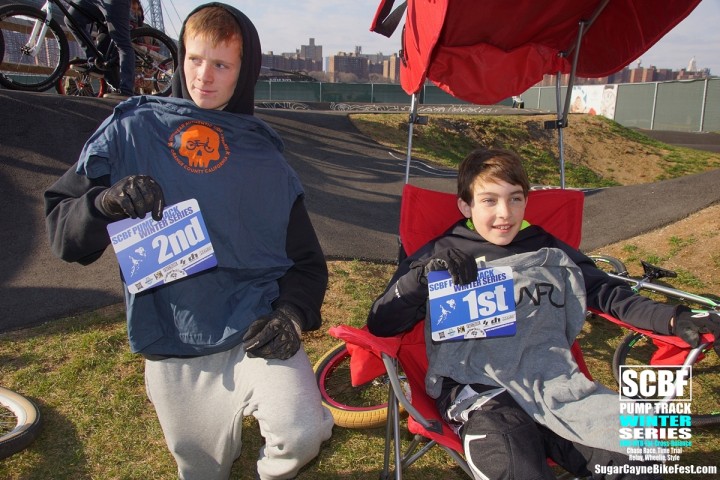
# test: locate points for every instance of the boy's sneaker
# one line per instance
(87, 68)
(117, 95)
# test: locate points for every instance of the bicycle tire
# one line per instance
(638, 341)
(73, 83)
(18, 69)
(156, 58)
(20, 422)
(609, 264)
(351, 407)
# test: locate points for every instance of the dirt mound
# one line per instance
(597, 151)
(595, 143)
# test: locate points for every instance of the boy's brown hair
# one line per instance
(490, 165)
(215, 24)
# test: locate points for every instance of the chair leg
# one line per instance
(392, 436)
(384, 475)
(411, 455)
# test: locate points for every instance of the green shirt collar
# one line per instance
(471, 226)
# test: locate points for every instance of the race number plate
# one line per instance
(484, 308)
(153, 253)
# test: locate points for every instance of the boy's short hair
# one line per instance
(490, 165)
(215, 24)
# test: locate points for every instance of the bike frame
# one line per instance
(39, 30)
(645, 283)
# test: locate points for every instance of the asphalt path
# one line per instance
(352, 185)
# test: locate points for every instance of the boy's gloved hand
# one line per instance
(461, 265)
(689, 326)
(133, 196)
(274, 336)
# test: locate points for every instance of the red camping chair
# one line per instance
(424, 215)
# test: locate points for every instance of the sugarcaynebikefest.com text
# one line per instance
(655, 423)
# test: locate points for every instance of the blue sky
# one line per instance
(341, 25)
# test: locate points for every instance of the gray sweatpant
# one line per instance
(201, 402)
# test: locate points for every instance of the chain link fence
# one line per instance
(684, 106)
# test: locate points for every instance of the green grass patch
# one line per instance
(100, 425)
(628, 133)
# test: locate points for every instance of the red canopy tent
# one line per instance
(484, 51)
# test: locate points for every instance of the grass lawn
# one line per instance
(100, 425)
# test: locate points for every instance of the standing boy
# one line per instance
(223, 343)
(519, 399)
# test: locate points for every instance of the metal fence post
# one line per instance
(654, 105)
(702, 105)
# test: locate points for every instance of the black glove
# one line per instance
(276, 335)
(461, 265)
(689, 326)
(133, 196)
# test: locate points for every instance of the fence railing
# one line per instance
(687, 106)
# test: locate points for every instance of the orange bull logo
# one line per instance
(199, 147)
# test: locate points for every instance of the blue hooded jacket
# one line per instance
(251, 200)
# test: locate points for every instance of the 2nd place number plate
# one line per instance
(153, 253)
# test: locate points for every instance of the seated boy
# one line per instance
(517, 400)
(226, 342)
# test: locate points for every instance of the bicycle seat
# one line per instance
(655, 272)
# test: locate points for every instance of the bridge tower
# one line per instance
(156, 15)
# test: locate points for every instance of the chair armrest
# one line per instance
(366, 351)
(366, 340)
(706, 338)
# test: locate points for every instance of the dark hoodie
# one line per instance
(243, 101)
(77, 229)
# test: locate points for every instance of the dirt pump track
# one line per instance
(352, 189)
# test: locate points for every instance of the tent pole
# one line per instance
(562, 113)
(571, 79)
(411, 123)
(562, 117)
(561, 122)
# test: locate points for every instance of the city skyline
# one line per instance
(341, 26)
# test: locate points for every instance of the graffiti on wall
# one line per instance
(594, 100)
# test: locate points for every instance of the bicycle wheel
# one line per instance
(609, 264)
(156, 58)
(79, 84)
(19, 422)
(637, 349)
(364, 406)
(27, 67)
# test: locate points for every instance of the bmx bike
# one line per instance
(352, 406)
(639, 347)
(36, 50)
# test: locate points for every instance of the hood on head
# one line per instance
(243, 100)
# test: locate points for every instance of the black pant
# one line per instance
(502, 442)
